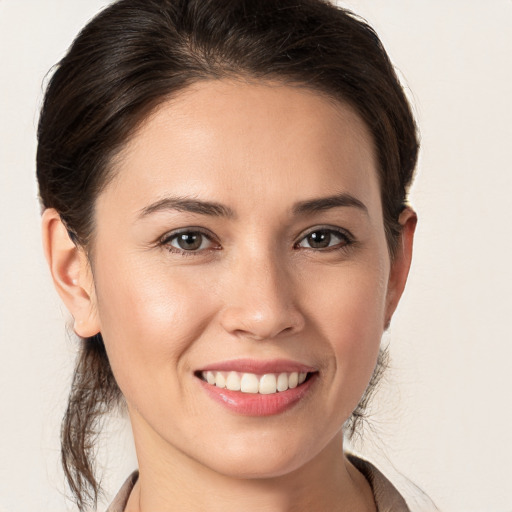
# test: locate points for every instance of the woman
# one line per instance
(225, 216)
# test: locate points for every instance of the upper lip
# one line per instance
(259, 367)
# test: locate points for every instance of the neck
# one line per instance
(173, 481)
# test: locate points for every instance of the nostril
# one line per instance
(260, 324)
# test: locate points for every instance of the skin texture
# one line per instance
(255, 289)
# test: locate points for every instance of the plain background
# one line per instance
(444, 415)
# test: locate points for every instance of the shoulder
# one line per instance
(121, 499)
(387, 498)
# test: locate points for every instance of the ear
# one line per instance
(401, 263)
(71, 273)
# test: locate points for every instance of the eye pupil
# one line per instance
(319, 239)
(189, 241)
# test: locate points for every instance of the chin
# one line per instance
(261, 468)
(260, 458)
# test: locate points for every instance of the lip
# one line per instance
(259, 367)
(255, 404)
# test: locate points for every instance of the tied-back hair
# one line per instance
(94, 393)
(136, 54)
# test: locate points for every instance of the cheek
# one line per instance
(149, 317)
(350, 316)
(349, 303)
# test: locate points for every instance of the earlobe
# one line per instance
(401, 262)
(71, 274)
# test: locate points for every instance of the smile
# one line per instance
(267, 384)
(258, 388)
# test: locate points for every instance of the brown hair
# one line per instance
(135, 54)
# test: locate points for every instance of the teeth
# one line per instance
(282, 382)
(220, 380)
(249, 383)
(267, 384)
(233, 381)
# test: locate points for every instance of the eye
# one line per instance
(324, 238)
(188, 241)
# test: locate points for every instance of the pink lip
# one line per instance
(255, 404)
(259, 367)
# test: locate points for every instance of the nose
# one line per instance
(261, 302)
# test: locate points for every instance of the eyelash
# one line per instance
(345, 237)
(166, 240)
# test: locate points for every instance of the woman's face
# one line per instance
(241, 243)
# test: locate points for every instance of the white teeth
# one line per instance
(282, 382)
(220, 380)
(233, 381)
(249, 383)
(267, 384)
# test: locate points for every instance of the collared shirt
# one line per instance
(387, 498)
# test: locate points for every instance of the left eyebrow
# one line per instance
(185, 204)
(326, 203)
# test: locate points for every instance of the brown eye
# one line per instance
(188, 241)
(324, 239)
(319, 239)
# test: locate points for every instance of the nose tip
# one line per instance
(261, 323)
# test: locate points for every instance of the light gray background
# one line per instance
(444, 415)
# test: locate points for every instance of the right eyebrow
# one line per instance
(326, 203)
(185, 204)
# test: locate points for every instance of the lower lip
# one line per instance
(255, 404)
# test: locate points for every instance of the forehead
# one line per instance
(219, 138)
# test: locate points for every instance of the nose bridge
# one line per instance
(269, 284)
(261, 302)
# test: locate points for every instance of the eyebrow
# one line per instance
(214, 209)
(326, 203)
(184, 204)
